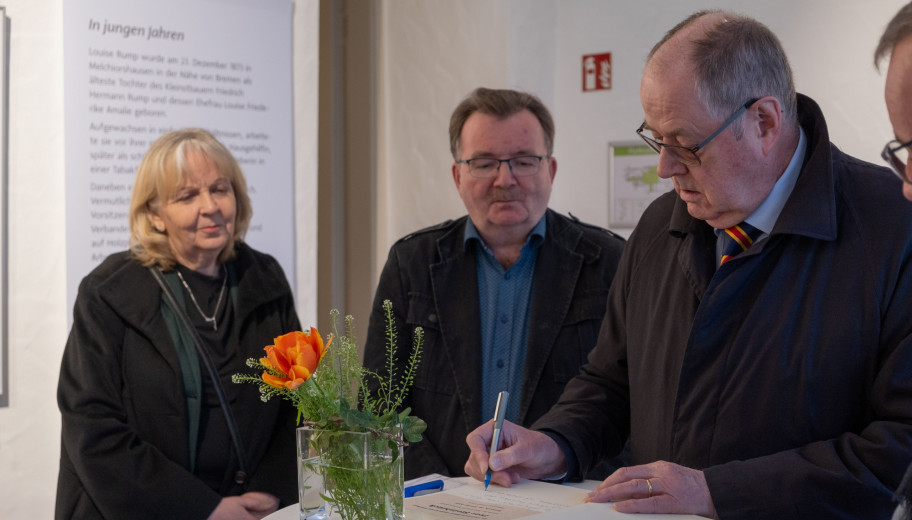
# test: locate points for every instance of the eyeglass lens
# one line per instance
(520, 166)
(680, 153)
(683, 155)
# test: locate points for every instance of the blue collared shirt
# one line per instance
(504, 299)
(764, 218)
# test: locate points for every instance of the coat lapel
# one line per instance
(557, 268)
(454, 281)
(121, 290)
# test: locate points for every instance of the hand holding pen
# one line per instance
(499, 412)
(521, 453)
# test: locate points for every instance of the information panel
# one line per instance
(633, 182)
(137, 69)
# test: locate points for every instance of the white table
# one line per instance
(286, 513)
(292, 512)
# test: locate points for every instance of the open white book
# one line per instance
(466, 498)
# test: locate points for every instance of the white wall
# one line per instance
(431, 53)
(30, 426)
(436, 51)
(830, 44)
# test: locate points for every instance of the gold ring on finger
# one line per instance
(649, 485)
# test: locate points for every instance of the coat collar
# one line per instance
(127, 288)
(811, 208)
(809, 211)
(132, 292)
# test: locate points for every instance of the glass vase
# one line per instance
(350, 475)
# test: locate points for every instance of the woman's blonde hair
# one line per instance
(161, 173)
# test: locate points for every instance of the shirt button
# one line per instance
(508, 276)
(504, 318)
(500, 363)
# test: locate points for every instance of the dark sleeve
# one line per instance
(105, 462)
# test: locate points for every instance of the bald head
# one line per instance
(719, 87)
(684, 31)
(731, 58)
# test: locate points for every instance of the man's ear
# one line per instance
(767, 118)
(456, 174)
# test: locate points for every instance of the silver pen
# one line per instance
(499, 412)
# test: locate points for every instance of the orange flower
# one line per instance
(296, 355)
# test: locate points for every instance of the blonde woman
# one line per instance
(152, 425)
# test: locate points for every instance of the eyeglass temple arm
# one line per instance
(727, 122)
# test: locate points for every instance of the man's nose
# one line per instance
(504, 174)
(669, 164)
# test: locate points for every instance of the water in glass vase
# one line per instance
(310, 480)
(360, 473)
(371, 491)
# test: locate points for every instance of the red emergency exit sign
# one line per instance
(597, 72)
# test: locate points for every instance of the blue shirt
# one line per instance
(765, 217)
(504, 297)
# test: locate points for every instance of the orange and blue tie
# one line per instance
(742, 236)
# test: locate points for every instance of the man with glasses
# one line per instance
(510, 297)
(896, 42)
(757, 345)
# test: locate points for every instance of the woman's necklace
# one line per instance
(217, 303)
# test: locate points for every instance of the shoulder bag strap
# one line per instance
(241, 476)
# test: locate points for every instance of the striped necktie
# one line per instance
(741, 237)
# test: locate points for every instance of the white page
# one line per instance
(472, 501)
(527, 494)
(527, 499)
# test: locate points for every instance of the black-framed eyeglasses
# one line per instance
(688, 154)
(896, 154)
(520, 166)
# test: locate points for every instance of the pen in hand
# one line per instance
(499, 412)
